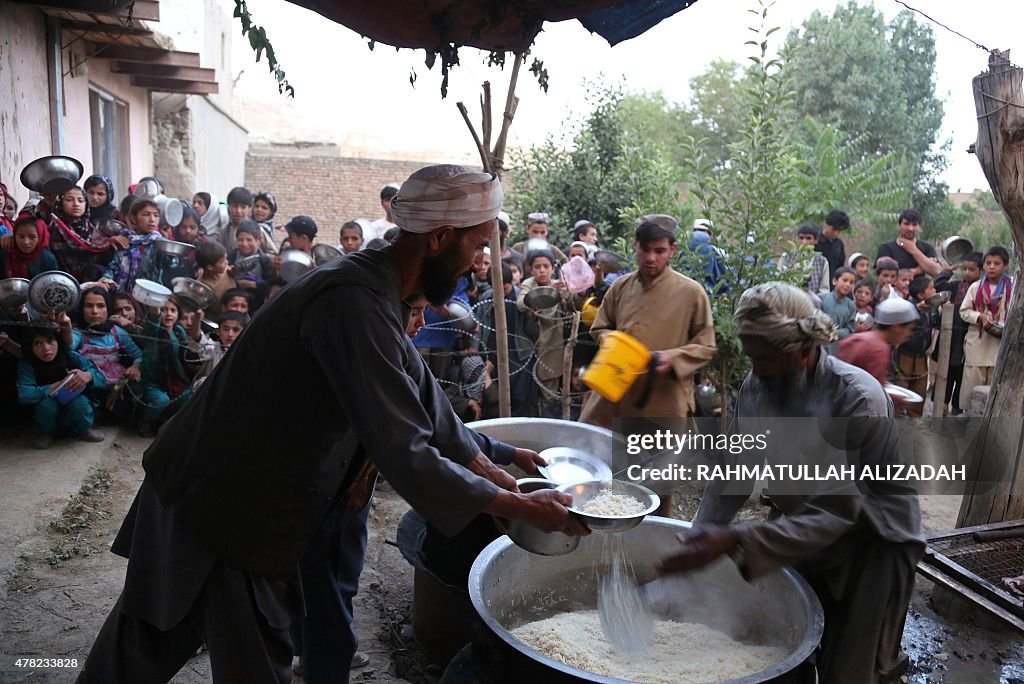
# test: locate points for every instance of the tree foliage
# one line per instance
(750, 200)
(600, 170)
(862, 74)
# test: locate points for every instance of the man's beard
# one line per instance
(440, 278)
(785, 391)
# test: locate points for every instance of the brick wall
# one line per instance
(317, 182)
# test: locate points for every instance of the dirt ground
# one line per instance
(62, 507)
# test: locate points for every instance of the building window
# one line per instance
(109, 118)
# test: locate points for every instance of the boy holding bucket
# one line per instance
(664, 311)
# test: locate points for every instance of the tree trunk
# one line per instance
(999, 102)
(942, 373)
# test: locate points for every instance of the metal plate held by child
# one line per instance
(903, 393)
(568, 466)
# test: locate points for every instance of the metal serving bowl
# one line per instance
(294, 264)
(13, 292)
(52, 175)
(937, 299)
(147, 188)
(323, 252)
(171, 210)
(996, 329)
(533, 539)
(194, 291)
(247, 264)
(510, 587)
(585, 491)
(112, 228)
(172, 248)
(956, 249)
(908, 396)
(567, 465)
(149, 293)
(609, 261)
(461, 317)
(541, 298)
(53, 291)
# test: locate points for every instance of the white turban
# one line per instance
(446, 195)
(784, 316)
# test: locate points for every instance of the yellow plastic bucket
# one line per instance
(588, 314)
(619, 362)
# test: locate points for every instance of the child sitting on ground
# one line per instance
(166, 385)
(985, 304)
(49, 377)
(29, 255)
(138, 260)
(110, 348)
(212, 260)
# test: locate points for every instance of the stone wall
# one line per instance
(315, 180)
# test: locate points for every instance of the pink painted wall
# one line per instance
(77, 123)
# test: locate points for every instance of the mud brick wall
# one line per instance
(331, 189)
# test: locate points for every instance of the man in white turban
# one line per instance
(857, 544)
(225, 517)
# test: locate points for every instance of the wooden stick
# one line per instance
(485, 107)
(942, 376)
(567, 366)
(481, 150)
(511, 102)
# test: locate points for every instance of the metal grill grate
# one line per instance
(991, 561)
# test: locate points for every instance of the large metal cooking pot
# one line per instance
(510, 587)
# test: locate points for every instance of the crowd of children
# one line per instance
(125, 362)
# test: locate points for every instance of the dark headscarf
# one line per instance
(81, 226)
(48, 373)
(102, 327)
(271, 202)
(106, 211)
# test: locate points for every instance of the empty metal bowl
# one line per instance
(583, 492)
(170, 247)
(864, 317)
(609, 261)
(147, 188)
(533, 539)
(13, 292)
(541, 298)
(461, 317)
(246, 264)
(208, 327)
(567, 465)
(52, 175)
(294, 264)
(194, 291)
(956, 249)
(938, 299)
(996, 329)
(112, 228)
(150, 293)
(53, 291)
(322, 253)
(171, 210)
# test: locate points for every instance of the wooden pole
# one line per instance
(494, 162)
(567, 366)
(942, 374)
(999, 103)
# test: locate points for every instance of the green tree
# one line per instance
(602, 170)
(877, 78)
(749, 200)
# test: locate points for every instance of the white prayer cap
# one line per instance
(895, 311)
(503, 216)
(703, 224)
(537, 217)
(446, 195)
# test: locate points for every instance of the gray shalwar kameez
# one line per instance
(857, 546)
(237, 482)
